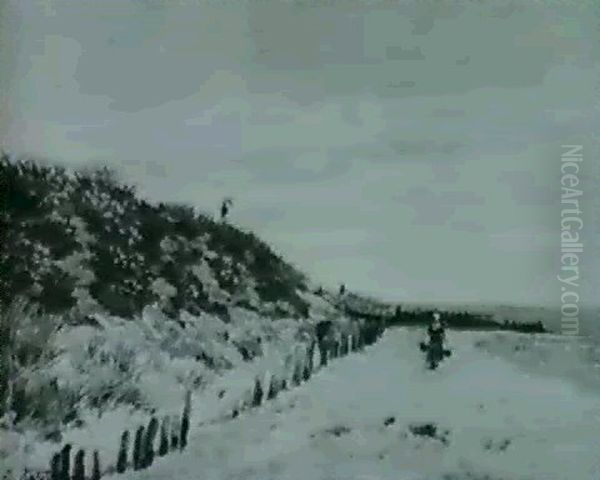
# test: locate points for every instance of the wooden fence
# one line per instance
(69, 463)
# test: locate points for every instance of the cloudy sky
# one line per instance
(410, 149)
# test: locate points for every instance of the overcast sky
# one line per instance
(408, 149)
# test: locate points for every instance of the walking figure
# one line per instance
(435, 351)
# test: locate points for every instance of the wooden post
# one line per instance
(79, 466)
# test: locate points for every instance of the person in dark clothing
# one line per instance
(225, 206)
(435, 348)
(436, 331)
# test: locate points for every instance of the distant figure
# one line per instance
(435, 348)
(436, 331)
(342, 289)
(225, 206)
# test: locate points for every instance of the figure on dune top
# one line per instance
(225, 206)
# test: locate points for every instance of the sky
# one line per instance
(409, 149)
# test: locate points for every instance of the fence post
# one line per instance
(175, 430)
(163, 448)
(272, 393)
(79, 465)
(258, 393)
(336, 347)
(148, 450)
(306, 373)
(297, 374)
(55, 467)
(323, 354)
(137, 448)
(185, 420)
(311, 354)
(123, 449)
(65, 462)
(96, 466)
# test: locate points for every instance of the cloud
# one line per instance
(448, 112)
(400, 53)
(425, 14)
(524, 190)
(293, 165)
(505, 11)
(424, 147)
(467, 226)
(436, 208)
(315, 118)
(305, 54)
(525, 239)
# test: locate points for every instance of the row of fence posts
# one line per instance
(367, 334)
(173, 436)
(60, 465)
(173, 432)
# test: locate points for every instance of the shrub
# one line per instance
(43, 204)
